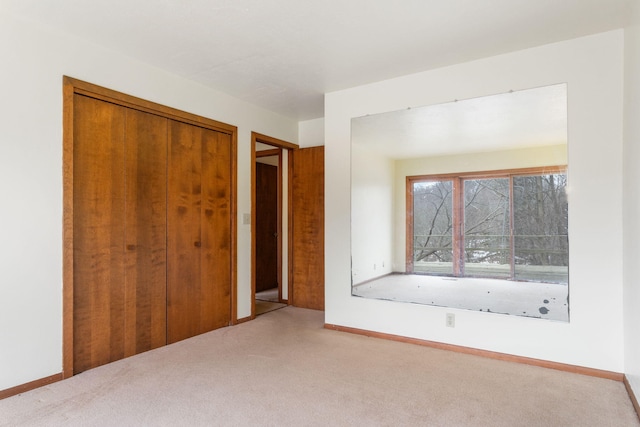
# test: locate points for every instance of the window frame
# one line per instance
(458, 210)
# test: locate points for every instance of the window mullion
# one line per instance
(512, 249)
(409, 250)
(458, 227)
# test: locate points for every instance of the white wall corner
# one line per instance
(311, 133)
(631, 200)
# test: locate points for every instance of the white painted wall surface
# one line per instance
(311, 133)
(372, 195)
(593, 69)
(632, 201)
(34, 59)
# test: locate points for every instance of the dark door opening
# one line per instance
(266, 228)
(269, 165)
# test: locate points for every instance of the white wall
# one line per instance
(632, 200)
(550, 155)
(34, 59)
(592, 68)
(372, 195)
(311, 133)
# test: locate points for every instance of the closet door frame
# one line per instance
(72, 87)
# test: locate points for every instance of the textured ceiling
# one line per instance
(521, 119)
(283, 55)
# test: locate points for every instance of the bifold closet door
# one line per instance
(98, 233)
(119, 223)
(199, 231)
(145, 232)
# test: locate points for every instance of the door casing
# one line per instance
(278, 145)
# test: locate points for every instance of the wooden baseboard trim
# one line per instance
(632, 396)
(243, 320)
(484, 353)
(22, 388)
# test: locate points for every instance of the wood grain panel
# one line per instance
(183, 231)
(98, 233)
(266, 227)
(125, 100)
(199, 231)
(145, 231)
(308, 228)
(113, 254)
(215, 304)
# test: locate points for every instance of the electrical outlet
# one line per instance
(451, 320)
(246, 218)
(374, 266)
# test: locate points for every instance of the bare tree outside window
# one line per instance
(487, 240)
(541, 232)
(513, 227)
(433, 226)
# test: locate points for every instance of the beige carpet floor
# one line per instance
(263, 307)
(284, 369)
(268, 295)
(267, 301)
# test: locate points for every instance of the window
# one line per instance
(507, 224)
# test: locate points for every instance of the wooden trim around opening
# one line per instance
(616, 376)
(280, 145)
(67, 227)
(70, 87)
(279, 217)
(497, 173)
(265, 139)
(268, 153)
(119, 98)
(23, 388)
(243, 320)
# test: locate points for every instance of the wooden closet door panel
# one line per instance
(183, 231)
(215, 309)
(308, 228)
(145, 231)
(98, 287)
(198, 227)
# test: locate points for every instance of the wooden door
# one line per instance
(119, 232)
(308, 228)
(145, 231)
(199, 233)
(216, 253)
(117, 225)
(266, 227)
(98, 257)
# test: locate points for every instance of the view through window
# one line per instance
(507, 225)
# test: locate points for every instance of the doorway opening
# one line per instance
(270, 227)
